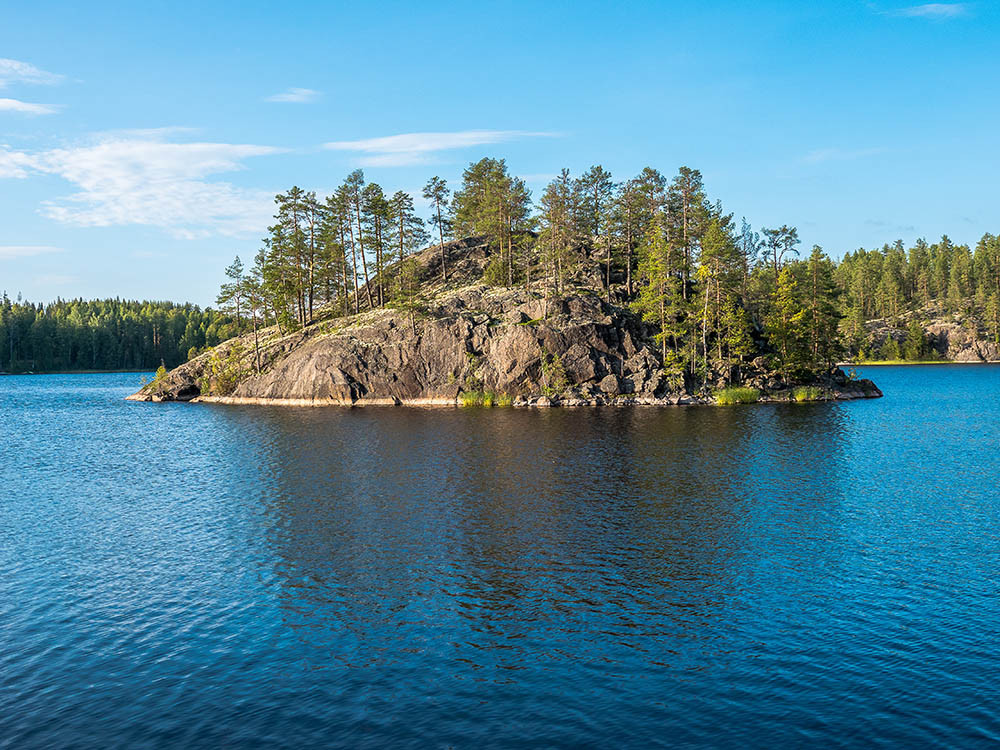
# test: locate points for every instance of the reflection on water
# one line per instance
(174, 574)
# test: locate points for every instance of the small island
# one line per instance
(643, 293)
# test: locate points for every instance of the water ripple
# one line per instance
(177, 576)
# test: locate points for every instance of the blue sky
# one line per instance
(141, 143)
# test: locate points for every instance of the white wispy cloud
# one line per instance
(14, 164)
(27, 108)
(148, 181)
(295, 96)
(933, 10)
(9, 252)
(820, 155)
(407, 149)
(15, 71)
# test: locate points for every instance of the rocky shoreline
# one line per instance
(862, 391)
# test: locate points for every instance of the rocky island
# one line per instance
(464, 341)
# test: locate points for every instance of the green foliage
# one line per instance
(487, 399)
(495, 273)
(915, 346)
(786, 322)
(807, 393)
(554, 380)
(224, 371)
(890, 350)
(109, 334)
(159, 379)
(473, 381)
(737, 395)
(409, 295)
(885, 283)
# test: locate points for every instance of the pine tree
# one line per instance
(354, 189)
(659, 295)
(375, 220)
(595, 195)
(688, 218)
(408, 228)
(559, 233)
(785, 322)
(915, 344)
(231, 295)
(436, 191)
(718, 277)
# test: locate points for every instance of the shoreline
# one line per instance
(543, 402)
(906, 363)
(79, 372)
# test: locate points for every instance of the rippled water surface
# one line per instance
(764, 576)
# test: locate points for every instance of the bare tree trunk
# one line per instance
(354, 268)
(364, 260)
(444, 269)
(256, 343)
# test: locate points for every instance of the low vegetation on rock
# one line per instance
(737, 395)
(807, 393)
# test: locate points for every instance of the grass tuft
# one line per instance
(807, 393)
(487, 399)
(737, 395)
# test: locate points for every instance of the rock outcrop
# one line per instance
(466, 337)
(948, 336)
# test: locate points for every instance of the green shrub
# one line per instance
(159, 383)
(807, 393)
(495, 273)
(553, 374)
(471, 398)
(737, 395)
(487, 399)
(224, 371)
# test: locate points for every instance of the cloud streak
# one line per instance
(933, 10)
(10, 252)
(294, 96)
(408, 149)
(27, 108)
(15, 71)
(145, 180)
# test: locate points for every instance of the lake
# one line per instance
(179, 575)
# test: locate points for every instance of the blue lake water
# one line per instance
(760, 576)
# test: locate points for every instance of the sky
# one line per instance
(141, 144)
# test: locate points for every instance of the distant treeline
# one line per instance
(893, 281)
(110, 334)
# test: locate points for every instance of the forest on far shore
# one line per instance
(109, 334)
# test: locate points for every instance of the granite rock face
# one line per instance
(476, 338)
